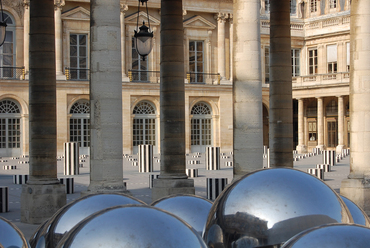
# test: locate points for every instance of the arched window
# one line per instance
(144, 124)
(10, 128)
(201, 127)
(79, 125)
(7, 50)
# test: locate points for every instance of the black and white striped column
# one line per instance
(9, 167)
(151, 179)
(325, 167)
(192, 172)
(214, 187)
(71, 161)
(69, 183)
(213, 158)
(319, 173)
(329, 157)
(145, 158)
(4, 199)
(20, 179)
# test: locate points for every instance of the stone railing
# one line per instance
(335, 21)
(321, 79)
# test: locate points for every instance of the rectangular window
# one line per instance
(10, 135)
(295, 62)
(78, 56)
(332, 134)
(267, 65)
(312, 61)
(331, 58)
(267, 6)
(313, 6)
(332, 4)
(312, 131)
(348, 55)
(293, 7)
(196, 61)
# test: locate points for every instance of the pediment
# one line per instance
(132, 19)
(198, 22)
(78, 13)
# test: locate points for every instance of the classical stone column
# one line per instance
(124, 8)
(247, 90)
(320, 123)
(172, 178)
(281, 106)
(106, 172)
(357, 186)
(301, 148)
(43, 195)
(340, 125)
(221, 19)
(59, 40)
(231, 34)
(26, 36)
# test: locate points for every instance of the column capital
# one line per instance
(184, 12)
(26, 3)
(231, 16)
(59, 3)
(123, 8)
(221, 17)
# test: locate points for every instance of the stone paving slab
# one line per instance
(138, 183)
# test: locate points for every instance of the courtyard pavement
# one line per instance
(138, 183)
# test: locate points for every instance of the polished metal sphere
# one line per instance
(11, 236)
(331, 236)
(71, 214)
(267, 207)
(132, 226)
(192, 209)
(358, 215)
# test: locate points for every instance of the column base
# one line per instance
(339, 149)
(301, 149)
(166, 187)
(40, 201)
(106, 189)
(61, 77)
(357, 190)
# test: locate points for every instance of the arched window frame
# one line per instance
(79, 123)
(144, 124)
(201, 124)
(10, 124)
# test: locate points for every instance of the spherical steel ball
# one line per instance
(358, 215)
(267, 207)
(11, 236)
(192, 209)
(132, 226)
(67, 217)
(331, 236)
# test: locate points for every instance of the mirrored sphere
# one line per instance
(192, 209)
(71, 214)
(267, 207)
(358, 215)
(11, 236)
(331, 236)
(130, 227)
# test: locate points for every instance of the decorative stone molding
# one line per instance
(221, 17)
(17, 5)
(59, 3)
(123, 7)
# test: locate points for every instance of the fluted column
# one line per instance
(301, 148)
(124, 8)
(106, 172)
(247, 90)
(320, 123)
(340, 124)
(59, 39)
(221, 19)
(26, 36)
(357, 186)
(281, 107)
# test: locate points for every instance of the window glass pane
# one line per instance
(73, 39)
(82, 39)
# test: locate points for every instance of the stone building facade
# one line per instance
(320, 75)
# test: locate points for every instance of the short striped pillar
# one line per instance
(151, 179)
(228, 163)
(213, 158)
(9, 167)
(71, 155)
(325, 167)
(214, 187)
(319, 173)
(194, 162)
(69, 183)
(20, 179)
(145, 158)
(192, 172)
(328, 157)
(4, 199)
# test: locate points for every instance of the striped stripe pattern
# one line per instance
(145, 157)
(192, 172)
(71, 158)
(328, 157)
(325, 167)
(69, 183)
(4, 199)
(319, 173)
(20, 179)
(213, 158)
(214, 187)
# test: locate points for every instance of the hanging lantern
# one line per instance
(144, 38)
